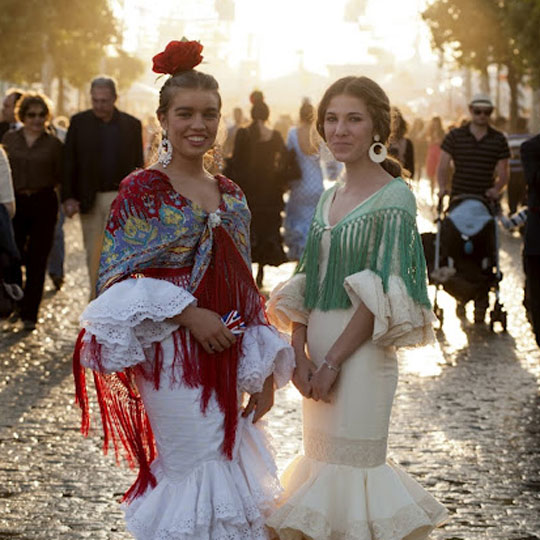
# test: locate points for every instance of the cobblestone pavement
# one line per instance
(466, 422)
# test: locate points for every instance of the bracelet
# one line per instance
(330, 366)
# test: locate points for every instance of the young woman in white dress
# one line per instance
(170, 374)
(358, 293)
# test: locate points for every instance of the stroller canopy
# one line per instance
(470, 216)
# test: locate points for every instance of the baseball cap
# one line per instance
(481, 100)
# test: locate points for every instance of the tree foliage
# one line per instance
(477, 33)
(66, 40)
(65, 36)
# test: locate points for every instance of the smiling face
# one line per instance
(348, 128)
(191, 122)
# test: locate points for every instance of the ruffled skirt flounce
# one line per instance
(217, 500)
(338, 502)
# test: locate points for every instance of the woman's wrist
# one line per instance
(185, 316)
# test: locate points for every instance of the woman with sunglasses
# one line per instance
(35, 157)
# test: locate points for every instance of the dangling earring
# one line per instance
(165, 151)
(377, 151)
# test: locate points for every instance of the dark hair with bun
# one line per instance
(378, 106)
(259, 111)
(193, 80)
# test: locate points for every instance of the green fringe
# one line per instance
(384, 241)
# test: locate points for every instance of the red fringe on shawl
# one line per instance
(227, 284)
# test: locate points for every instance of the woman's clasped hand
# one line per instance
(207, 328)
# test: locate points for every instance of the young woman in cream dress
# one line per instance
(358, 293)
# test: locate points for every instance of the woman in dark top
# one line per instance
(35, 157)
(256, 162)
(400, 146)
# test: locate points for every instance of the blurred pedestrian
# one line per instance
(305, 191)
(517, 187)
(238, 122)
(480, 155)
(283, 125)
(170, 373)
(530, 156)
(7, 196)
(256, 164)
(359, 292)
(417, 134)
(435, 135)
(55, 266)
(35, 156)
(10, 293)
(9, 122)
(103, 145)
(400, 146)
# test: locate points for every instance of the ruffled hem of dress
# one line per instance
(219, 500)
(264, 351)
(286, 303)
(399, 320)
(382, 503)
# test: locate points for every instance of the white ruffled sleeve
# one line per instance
(286, 304)
(264, 351)
(399, 320)
(128, 317)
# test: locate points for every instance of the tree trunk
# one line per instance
(534, 124)
(513, 83)
(484, 80)
(60, 102)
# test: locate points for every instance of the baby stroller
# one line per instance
(463, 255)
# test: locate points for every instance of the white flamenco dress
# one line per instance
(343, 487)
(200, 495)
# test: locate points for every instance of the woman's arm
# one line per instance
(305, 368)
(358, 330)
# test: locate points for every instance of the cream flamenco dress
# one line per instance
(343, 487)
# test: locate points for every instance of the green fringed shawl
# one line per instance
(378, 235)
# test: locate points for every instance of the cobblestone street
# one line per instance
(465, 424)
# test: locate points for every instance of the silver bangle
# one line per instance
(330, 366)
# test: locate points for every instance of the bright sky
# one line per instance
(279, 34)
(316, 28)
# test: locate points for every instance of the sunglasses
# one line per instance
(485, 112)
(42, 114)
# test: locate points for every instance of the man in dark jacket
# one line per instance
(103, 145)
(530, 157)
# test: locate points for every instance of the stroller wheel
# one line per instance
(497, 315)
(439, 313)
(503, 321)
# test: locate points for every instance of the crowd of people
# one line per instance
(176, 332)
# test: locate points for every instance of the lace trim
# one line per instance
(128, 317)
(423, 516)
(264, 352)
(224, 521)
(363, 453)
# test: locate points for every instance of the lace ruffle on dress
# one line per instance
(200, 494)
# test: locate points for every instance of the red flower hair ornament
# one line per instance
(178, 56)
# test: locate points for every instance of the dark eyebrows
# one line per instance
(190, 109)
(349, 113)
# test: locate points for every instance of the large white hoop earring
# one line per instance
(377, 151)
(165, 151)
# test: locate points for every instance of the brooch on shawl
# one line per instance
(214, 220)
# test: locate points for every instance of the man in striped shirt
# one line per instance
(480, 155)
